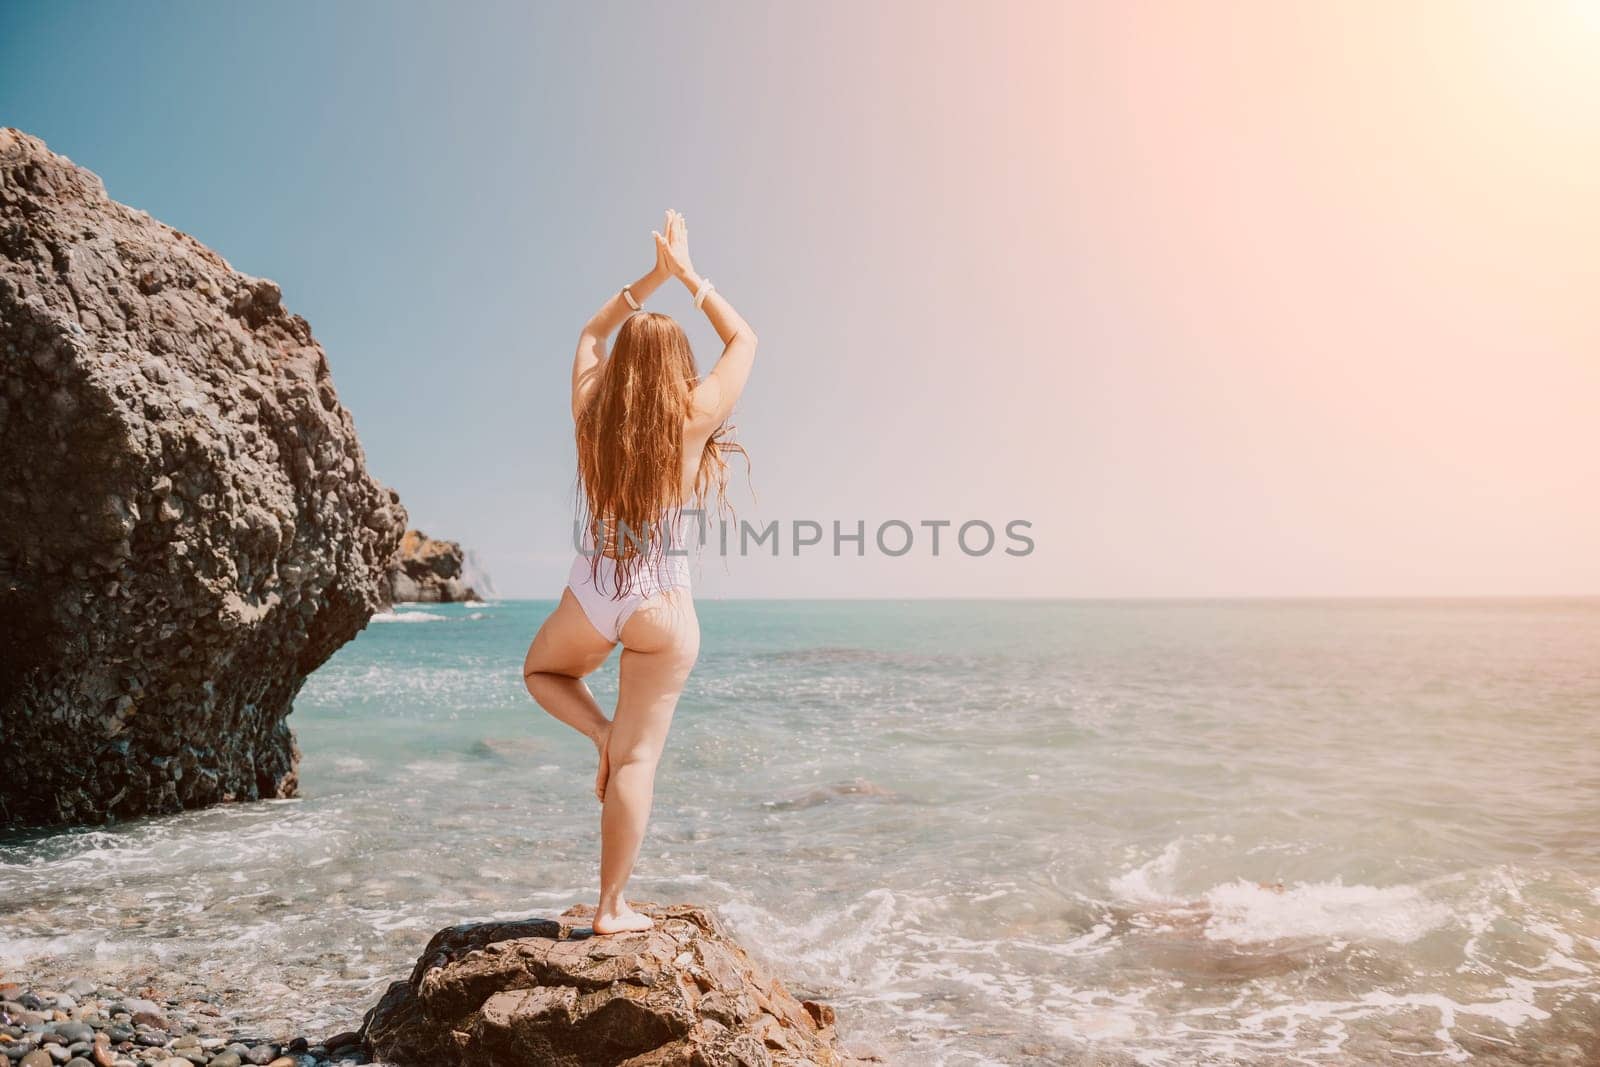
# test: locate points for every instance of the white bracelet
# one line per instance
(627, 294)
(700, 293)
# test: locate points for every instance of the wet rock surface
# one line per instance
(187, 526)
(429, 572)
(548, 992)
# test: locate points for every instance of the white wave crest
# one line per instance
(1247, 912)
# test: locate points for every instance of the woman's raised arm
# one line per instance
(716, 394)
(592, 341)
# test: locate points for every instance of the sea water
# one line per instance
(986, 832)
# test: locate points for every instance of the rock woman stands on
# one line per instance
(651, 441)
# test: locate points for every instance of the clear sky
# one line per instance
(1233, 298)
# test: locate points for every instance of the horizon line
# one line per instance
(1153, 598)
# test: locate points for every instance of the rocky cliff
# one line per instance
(187, 526)
(428, 571)
(548, 993)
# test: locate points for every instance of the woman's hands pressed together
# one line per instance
(673, 248)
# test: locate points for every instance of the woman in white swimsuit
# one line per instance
(651, 437)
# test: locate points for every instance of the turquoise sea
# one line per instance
(1250, 832)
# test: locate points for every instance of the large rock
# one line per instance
(428, 571)
(187, 526)
(548, 993)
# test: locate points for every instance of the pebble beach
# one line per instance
(82, 1024)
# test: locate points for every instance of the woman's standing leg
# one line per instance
(659, 646)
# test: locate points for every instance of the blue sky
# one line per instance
(1095, 268)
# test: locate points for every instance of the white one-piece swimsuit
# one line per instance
(666, 568)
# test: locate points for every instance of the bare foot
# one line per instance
(620, 921)
(603, 775)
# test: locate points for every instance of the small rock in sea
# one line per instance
(226, 1058)
(37, 1058)
(81, 987)
(262, 1054)
(152, 1038)
(173, 1061)
(427, 571)
(79, 1061)
(339, 1041)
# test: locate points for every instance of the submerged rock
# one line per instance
(857, 787)
(187, 526)
(429, 572)
(548, 993)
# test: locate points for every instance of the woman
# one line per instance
(651, 434)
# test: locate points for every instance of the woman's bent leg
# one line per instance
(659, 646)
(566, 648)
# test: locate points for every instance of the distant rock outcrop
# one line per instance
(429, 572)
(548, 993)
(187, 526)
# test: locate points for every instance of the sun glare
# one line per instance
(1587, 14)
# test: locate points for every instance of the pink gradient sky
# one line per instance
(1300, 300)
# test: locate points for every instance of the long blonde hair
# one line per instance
(630, 447)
